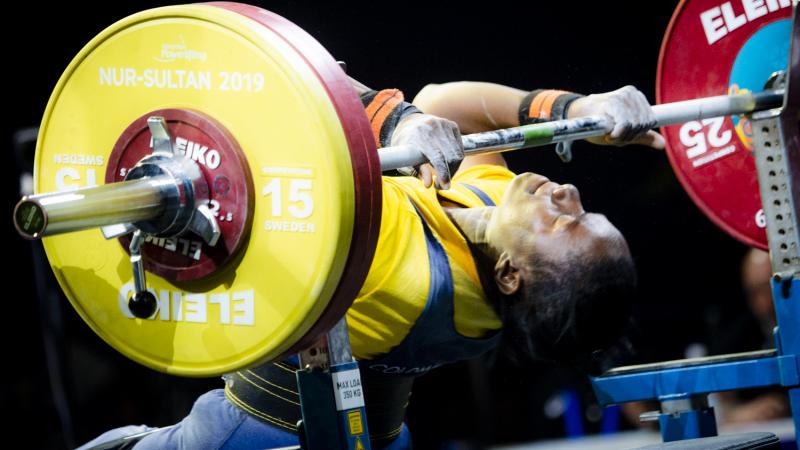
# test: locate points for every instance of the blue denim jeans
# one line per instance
(215, 423)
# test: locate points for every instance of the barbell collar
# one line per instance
(139, 279)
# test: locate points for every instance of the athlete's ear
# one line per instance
(507, 275)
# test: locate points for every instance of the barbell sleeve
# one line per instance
(539, 134)
(41, 215)
(721, 105)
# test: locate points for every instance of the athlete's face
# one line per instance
(540, 217)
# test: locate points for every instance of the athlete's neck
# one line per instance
(473, 223)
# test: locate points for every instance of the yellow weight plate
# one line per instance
(256, 85)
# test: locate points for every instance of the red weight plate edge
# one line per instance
(219, 134)
(363, 154)
(675, 168)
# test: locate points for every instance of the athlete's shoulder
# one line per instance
(491, 172)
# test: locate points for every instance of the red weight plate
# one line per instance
(227, 174)
(363, 154)
(713, 48)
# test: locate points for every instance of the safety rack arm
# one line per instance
(331, 395)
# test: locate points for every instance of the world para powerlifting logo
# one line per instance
(171, 52)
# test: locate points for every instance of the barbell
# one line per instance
(240, 175)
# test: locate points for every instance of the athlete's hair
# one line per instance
(570, 308)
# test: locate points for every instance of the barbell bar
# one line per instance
(47, 214)
(539, 134)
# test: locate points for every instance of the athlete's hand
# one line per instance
(630, 113)
(438, 139)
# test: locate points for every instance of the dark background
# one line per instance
(688, 268)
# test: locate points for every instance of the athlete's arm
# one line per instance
(397, 122)
(480, 106)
